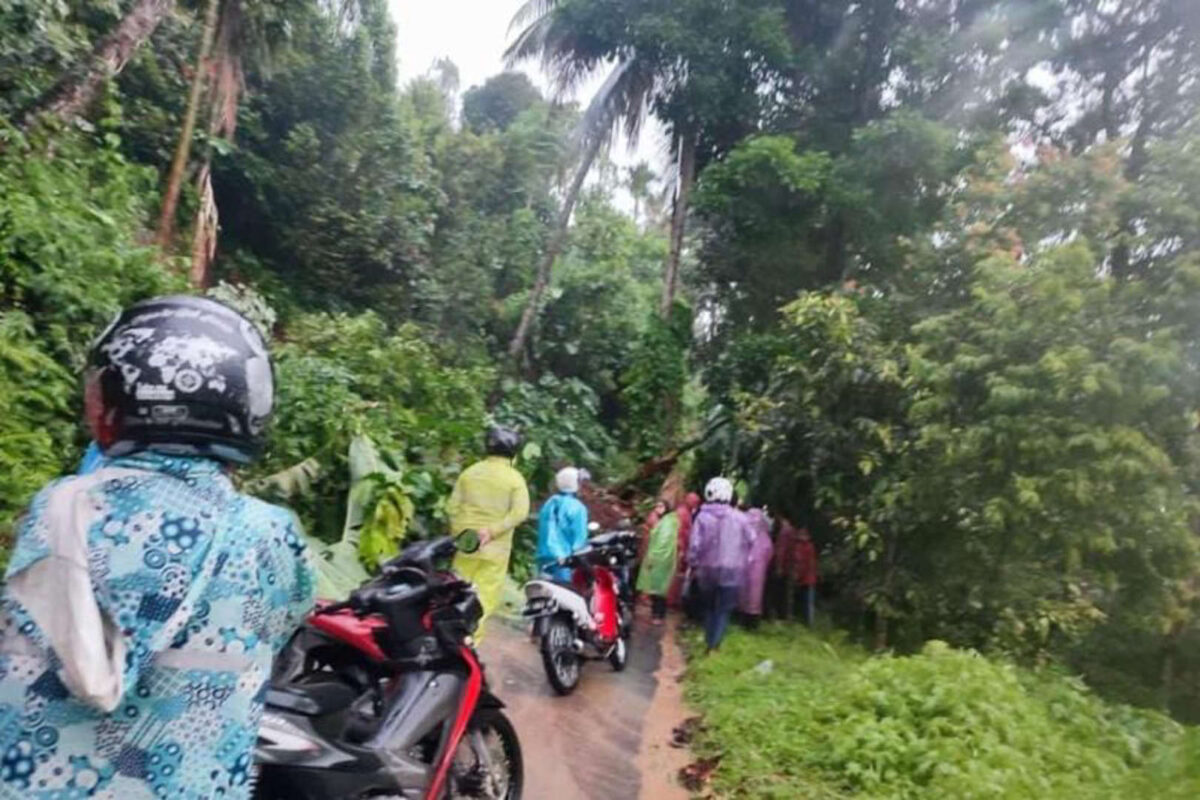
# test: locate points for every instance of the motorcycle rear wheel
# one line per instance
(618, 659)
(559, 658)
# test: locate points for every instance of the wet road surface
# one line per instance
(583, 746)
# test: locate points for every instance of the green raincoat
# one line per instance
(658, 565)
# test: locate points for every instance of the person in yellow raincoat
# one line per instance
(489, 497)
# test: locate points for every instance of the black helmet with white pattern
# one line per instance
(183, 375)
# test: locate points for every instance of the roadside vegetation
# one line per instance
(922, 276)
(793, 714)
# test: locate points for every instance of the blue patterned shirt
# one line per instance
(203, 586)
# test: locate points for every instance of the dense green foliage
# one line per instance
(70, 259)
(389, 249)
(940, 275)
(825, 721)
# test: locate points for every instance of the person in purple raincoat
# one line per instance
(750, 604)
(718, 552)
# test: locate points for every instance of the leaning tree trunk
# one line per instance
(166, 219)
(542, 279)
(687, 175)
(76, 90)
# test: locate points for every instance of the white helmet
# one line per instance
(567, 480)
(718, 490)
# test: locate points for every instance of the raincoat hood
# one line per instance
(718, 510)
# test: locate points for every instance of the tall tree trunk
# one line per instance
(204, 231)
(687, 175)
(637, 208)
(224, 96)
(542, 279)
(76, 90)
(166, 219)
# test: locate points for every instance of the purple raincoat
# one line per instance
(719, 546)
(761, 550)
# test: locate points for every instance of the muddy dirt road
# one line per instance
(607, 740)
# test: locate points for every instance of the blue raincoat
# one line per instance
(562, 528)
(142, 608)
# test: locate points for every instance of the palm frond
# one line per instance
(530, 42)
(530, 11)
(622, 100)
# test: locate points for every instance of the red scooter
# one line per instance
(383, 696)
(591, 617)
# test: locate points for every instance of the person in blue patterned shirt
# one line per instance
(144, 601)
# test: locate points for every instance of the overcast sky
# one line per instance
(473, 34)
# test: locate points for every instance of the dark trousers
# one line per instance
(808, 596)
(658, 606)
(722, 600)
(782, 596)
(695, 602)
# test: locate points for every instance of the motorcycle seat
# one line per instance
(571, 586)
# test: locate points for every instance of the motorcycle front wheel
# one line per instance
(559, 656)
(487, 764)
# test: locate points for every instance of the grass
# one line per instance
(828, 721)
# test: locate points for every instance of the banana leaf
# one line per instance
(295, 481)
(376, 505)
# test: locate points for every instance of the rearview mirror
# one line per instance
(468, 541)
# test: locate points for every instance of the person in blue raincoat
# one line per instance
(562, 525)
(145, 599)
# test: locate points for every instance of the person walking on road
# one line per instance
(562, 525)
(718, 554)
(661, 507)
(658, 566)
(146, 599)
(490, 497)
(751, 601)
(687, 514)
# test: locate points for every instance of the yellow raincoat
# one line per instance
(492, 495)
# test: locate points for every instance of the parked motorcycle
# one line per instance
(590, 618)
(383, 696)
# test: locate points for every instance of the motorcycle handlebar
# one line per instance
(365, 601)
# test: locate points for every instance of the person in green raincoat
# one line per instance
(490, 497)
(658, 565)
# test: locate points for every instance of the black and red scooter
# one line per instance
(383, 696)
(589, 618)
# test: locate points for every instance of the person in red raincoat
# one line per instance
(805, 575)
(796, 569)
(687, 512)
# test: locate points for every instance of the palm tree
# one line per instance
(685, 149)
(76, 90)
(623, 100)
